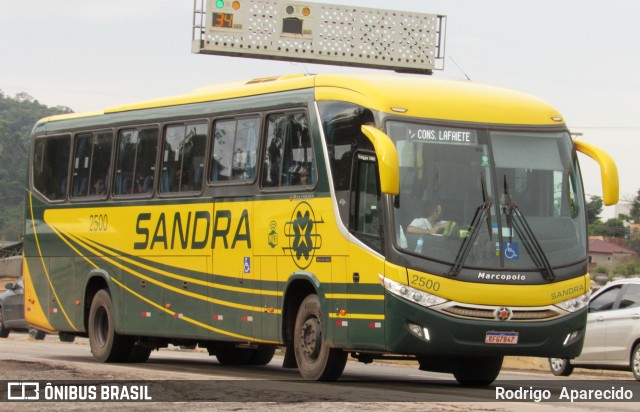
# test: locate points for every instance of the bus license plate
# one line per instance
(504, 338)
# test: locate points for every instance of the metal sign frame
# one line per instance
(320, 33)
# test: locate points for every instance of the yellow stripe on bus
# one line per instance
(44, 266)
(363, 316)
(188, 319)
(33, 312)
(158, 283)
(350, 296)
(499, 294)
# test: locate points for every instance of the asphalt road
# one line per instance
(191, 380)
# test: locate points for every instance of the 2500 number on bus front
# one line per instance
(425, 283)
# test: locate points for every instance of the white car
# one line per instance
(612, 339)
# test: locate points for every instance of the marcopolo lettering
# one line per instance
(501, 276)
(191, 230)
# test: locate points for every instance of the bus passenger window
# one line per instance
(51, 165)
(235, 143)
(182, 158)
(289, 159)
(136, 160)
(91, 159)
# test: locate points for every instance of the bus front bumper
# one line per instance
(415, 330)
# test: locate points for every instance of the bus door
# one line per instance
(366, 298)
(234, 288)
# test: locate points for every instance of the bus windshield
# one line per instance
(515, 197)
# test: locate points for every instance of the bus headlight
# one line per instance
(575, 304)
(420, 297)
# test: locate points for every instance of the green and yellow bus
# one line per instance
(297, 212)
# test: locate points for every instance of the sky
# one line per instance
(581, 56)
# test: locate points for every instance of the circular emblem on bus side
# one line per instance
(303, 235)
(503, 313)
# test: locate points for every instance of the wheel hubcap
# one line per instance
(557, 364)
(311, 337)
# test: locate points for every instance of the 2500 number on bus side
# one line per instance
(98, 223)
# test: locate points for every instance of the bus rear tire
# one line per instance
(262, 356)
(471, 371)
(234, 356)
(106, 344)
(138, 354)
(316, 361)
(66, 337)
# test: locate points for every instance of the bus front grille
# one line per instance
(513, 314)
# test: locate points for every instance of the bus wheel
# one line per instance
(234, 356)
(262, 356)
(138, 354)
(106, 344)
(66, 337)
(315, 359)
(476, 371)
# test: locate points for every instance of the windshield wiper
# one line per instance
(482, 213)
(515, 219)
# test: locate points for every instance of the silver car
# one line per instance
(12, 311)
(612, 339)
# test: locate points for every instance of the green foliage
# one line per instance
(594, 208)
(17, 117)
(634, 213)
(610, 228)
(628, 268)
(601, 269)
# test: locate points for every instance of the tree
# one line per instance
(610, 228)
(634, 213)
(594, 208)
(17, 117)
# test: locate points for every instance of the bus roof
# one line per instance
(402, 95)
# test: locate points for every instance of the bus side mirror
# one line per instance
(387, 155)
(608, 171)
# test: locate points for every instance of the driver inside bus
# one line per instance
(432, 224)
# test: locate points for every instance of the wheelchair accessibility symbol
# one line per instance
(247, 265)
(510, 251)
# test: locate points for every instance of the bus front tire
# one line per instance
(471, 371)
(106, 344)
(316, 361)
